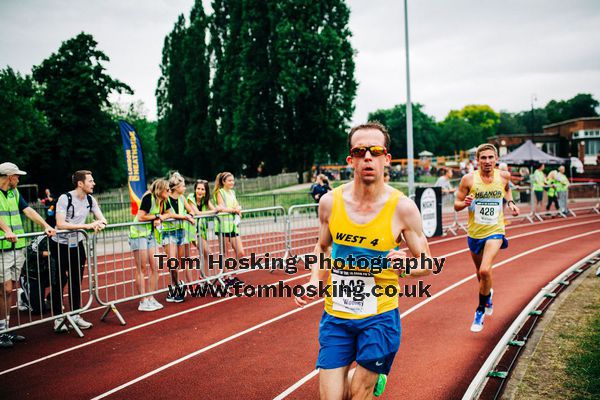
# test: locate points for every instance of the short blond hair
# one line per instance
(484, 147)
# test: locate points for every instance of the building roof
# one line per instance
(568, 121)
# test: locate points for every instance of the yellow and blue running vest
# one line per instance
(486, 217)
(373, 239)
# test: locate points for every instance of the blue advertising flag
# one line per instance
(135, 164)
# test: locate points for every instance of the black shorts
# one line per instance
(539, 194)
(228, 234)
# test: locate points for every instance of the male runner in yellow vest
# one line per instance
(364, 219)
(482, 192)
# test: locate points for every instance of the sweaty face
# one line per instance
(487, 160)
(370, 168)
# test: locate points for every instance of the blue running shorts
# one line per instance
(372, 342)
(476, 245)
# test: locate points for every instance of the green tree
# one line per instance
(316, 85)
(27, 136)
(256, 126)
(534, 120)
(425, 130)
(509, 124)
(478, 122)
(200, 141)
(171, 100)
(582, 105)
(74, 93)
(225, 28)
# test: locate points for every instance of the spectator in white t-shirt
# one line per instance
(68, 249)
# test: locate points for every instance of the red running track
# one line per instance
(219, 350)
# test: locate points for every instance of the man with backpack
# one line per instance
(68, 250)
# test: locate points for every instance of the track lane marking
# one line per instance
(314, 373)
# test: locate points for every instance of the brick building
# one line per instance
(578, 137)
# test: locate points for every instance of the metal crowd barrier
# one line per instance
(526, 203)
(112, 269)
(263, 232)
(302, 228)
(119, 270)
(33, 297)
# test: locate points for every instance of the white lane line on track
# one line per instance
(133, 328)
(314, 373)
(204, 349)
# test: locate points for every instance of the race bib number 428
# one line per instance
(487, 212)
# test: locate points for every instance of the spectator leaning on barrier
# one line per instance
(144, 239)
(228, 227)
(68, 249)
(539, 180)
(562, 190)
(551, 184)
(12, 248)
(200, 199)
(175, 237)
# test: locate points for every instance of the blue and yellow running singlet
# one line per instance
(486, 217)
(371, 240)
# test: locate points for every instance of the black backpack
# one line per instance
(70, 203)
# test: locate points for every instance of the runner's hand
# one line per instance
(394, 255)
(468, 200)
(515, 210)
(303, 300)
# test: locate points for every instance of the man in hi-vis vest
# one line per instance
(12, 247)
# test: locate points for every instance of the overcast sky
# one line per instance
(462, 52)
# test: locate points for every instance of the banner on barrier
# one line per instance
(429, 201)
(135, 164)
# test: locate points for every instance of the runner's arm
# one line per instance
(462, 199)
(410, 218)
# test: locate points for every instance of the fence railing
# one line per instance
(56, 285)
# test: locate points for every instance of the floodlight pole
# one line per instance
(409, 126)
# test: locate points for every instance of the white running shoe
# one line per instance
(146, 305)
(155, 303)
(63, 328)
(82, 323)
(478, 321)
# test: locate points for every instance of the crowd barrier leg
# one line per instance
(44, 267)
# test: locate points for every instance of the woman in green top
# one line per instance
(228, 227)
(552, 196)
(144, 238)
(174, 233)
(200, 201)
